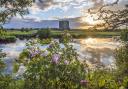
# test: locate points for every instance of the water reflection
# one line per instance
(98, 50)
(100, 43)
(95, 50)
(12, 50)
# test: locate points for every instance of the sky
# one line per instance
(50, 11)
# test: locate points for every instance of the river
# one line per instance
(94, 50)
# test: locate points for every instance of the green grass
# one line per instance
(58, 33)
(102, 34)
(16, 32)
(7, 36)
(22, 34)
(7, 39)
(83, 34)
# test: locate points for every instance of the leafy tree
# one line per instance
(10, 8)
(111, 19)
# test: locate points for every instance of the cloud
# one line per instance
(65, 5)
(62, 4)
(35, 9)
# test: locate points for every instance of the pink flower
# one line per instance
(66, 62)
(84, 82)
(34, 52)
(55, 58)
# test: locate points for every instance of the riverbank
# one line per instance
(82, 33)
(12, 35)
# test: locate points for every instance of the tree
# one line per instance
(10, 8)
(112, 19)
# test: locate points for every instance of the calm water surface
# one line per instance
(94, 50)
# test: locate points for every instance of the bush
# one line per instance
(58, 67)
(44, 34)
(124, 35)
(53, 68)
(7, 39)
(122, 59)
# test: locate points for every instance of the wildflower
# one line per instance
(44, 54)
(55, 58)
(66, 62)
(50, 46)
(34, 53)
(84, 82)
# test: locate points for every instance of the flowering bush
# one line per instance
(56, 67)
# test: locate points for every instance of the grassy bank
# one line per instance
(7, 39)
(7, 36)
(22, 34)
(83, 34)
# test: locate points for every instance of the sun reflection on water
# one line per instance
(99, 43)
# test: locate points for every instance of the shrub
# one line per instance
(122, 59)
(124, 35)
(44, 34)
(7, 39)
(56, 67)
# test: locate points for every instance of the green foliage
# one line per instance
(66, 37)
(102, 79)
(15, 67)
(122, 59)
(58, 67)
(44, 34)
(106, 79)
(68, 71)
(124, 35)
(5, 81)
(8, 36)
(11, 8)
(53, 68)
(7, 39)
(2, 65)
(45, 41)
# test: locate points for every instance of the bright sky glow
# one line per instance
(60, 9)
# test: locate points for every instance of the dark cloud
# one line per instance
(62, 4)
(44, 4)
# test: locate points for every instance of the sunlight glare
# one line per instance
(89, 20)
